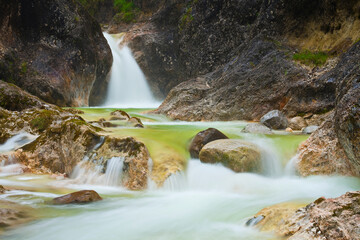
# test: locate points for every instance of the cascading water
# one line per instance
(114, 171)
(128, 87)
(17, 141)
(204, 202)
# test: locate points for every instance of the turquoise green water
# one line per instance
(205, 202)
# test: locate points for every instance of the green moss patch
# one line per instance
(42, 121)
(311, 58)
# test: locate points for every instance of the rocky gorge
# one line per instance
(260, 110)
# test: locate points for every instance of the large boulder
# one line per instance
(84, 196)
(257, 128)
(135, 171)
(54, 50)
(274, 120)
(333, 218)
(203, 138)
(238, 155)
(297, 123)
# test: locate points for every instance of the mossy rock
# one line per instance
(15, 99)
(43, 120)
(119, 115)
(238, 155)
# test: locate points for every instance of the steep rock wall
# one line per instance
(54, 50)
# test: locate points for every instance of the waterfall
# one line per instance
(114, 171)
(128, 86)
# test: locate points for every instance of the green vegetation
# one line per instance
(125, 10)
(42, 121)
(311, 58)
(186, 18)
(23, 68)
(90, 5)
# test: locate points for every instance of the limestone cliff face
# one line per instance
(239, 53)
(335, 147)
(236, 56)
(54, 50)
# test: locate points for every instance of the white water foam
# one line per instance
(17, 141)
(128, 86)
(114, 170)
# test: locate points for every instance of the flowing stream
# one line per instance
(128, 85)
(203, 202)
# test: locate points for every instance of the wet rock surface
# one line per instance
(297, 123)
(54, 50)
(84, 196)
(310, 129)
(203, 138)
(12, 214)
(2, 189)
(274, 120)
(236, 57)
(238, 155)
(65, 139)
(257, 128)
(332, 218)
(136, 122)
(334, 147)
(136, 160)
(119, 115)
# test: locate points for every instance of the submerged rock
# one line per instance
(136, 122)
(13, 214)
(257, 128)
(74, 111)
(310, 129)
(297, 123)
(84, 196)
(238, 155)
(119, 115)
(274, 120)
(333, 218)
(203, 138)
(2, 189)
(165, 164)
(102, 123)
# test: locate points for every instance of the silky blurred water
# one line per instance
(204, 201)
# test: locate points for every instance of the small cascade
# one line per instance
(88, 172)
(175, 182)
(270, 158)
(290, 169)
(114, 170)
(17, 141)
(128, 86)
